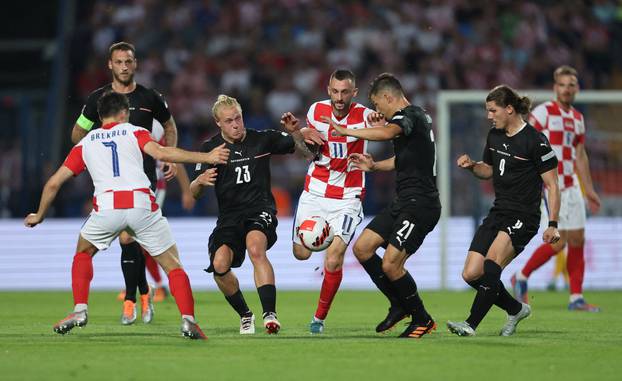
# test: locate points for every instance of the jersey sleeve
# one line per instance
(537, 118)
(142, 137)
(310, 117)
(75, 161)
(160, 108)
(88, 115)
(279, 142)
(201, 167)
(543, 155)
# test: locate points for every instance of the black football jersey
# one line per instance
(145, 106)
(517, 162)
(415, 156)
(244, 182)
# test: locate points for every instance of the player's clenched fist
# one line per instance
(551, 235)
(465, 162)
(207, 178)
(32, 220)
(218, 155)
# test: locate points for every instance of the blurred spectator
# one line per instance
(274, 55)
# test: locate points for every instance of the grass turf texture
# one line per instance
(553, 344)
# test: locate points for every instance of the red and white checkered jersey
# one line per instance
(565, 130)
(113, 156)
(330, 176)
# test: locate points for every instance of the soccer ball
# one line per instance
(315, 233)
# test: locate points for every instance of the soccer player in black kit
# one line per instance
(519, 159)
(145, 106)
(404, 224)
(246, 208)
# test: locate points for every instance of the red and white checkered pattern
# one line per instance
(565, 130)
(330, 176)
(116, 167)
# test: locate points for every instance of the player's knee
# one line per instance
(391, 269)
(334, 263)
(256, 253)
(300, 252)
(221, 266)
(362, 252)
(470, 275)
(576, 240)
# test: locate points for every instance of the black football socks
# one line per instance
(133, 267)
(373, 267)
(238, 303)
(487, 293)
(267, 296)
(409, 298)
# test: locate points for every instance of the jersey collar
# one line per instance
(108, 126)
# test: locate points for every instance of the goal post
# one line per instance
(446, 158)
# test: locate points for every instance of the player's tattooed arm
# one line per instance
(480, 169)
(303, 137)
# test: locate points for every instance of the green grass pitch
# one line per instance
(553, 344)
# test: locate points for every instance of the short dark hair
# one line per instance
(564, 70)
(111, 103)
(504, 95)
(343, 74)
(122, 45)
(385, 81)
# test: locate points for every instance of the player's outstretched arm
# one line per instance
(218, 155)
(365, 162)
(551, 182)
(387, 132)
(303, 136)
(480, 169)
(48, 195)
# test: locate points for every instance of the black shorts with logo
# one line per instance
(405, 224)
(231, 230)
(521, 230)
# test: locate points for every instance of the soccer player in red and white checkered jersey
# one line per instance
(564, 126)
(122, 201)
(333, 189)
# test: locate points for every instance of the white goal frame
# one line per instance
(445, 158)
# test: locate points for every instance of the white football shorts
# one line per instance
(571, 212)
(149, 229)
(342, 215)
